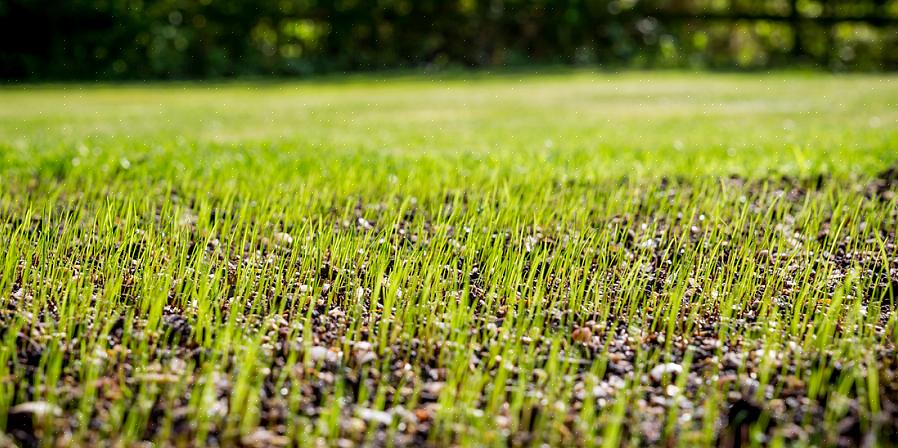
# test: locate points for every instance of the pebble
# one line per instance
(262, 437)
(432, 389)
(39, 409)
(365, 357)
(158, 378)
(371, 415)
(582, 334)
(669, 369)
(319, 353)
(354, 425)
(283, 238)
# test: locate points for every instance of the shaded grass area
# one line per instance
(579, 258)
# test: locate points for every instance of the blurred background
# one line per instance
(189, 39)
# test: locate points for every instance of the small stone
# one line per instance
(158, 378)
(39, 409)
(365, 357)
(354, 425)
(262, 437)
(318, 354)
(794, 383)
(371, 415)
(422, 414)
(582, 334)
(603, 390)
(727, 379)
(616, 357)
(669, 369)
(283, 239)
(363, 352)
(431, 390)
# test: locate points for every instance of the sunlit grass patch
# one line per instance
(570, 259)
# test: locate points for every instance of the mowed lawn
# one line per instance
(572, 258)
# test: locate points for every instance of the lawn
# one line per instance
(572, 258)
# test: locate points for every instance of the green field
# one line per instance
(573, 258)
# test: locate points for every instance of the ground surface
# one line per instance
(572, 259)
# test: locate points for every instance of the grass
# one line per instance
(570, 259)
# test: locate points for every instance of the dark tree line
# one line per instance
(98, 39)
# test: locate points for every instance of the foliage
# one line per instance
(93, 39)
